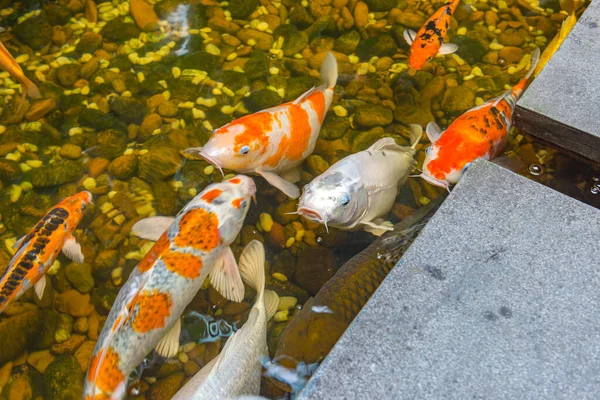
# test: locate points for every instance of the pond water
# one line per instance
(126, 87)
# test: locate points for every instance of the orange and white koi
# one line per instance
(480, 132)
(9, 64)
(276, 140)
(146, 313)
(429, 41)
(37, 251)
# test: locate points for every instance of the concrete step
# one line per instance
(499, 298)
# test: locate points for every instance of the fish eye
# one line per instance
(428, 151)
(466, 166)
(83, 206)
(245, 150)
(244, 203)
(344, 200)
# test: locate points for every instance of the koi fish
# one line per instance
(9, 64)
(273, 142)
(146, 313)
(359, 189)
(237, 369)
(480, 132)
(37, 251)
(429, 41)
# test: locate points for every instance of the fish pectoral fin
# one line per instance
(225, 277)
(72, 249)
(152, 228)
(18, 243)
(409, 36)
(433, 132)
(271, 303)
(286, 187)
(377, 227)
(40, 286)
(448, 48)
(291, 175)
(169, 344)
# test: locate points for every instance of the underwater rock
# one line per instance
(168, 109)
(119, 31)
(63, 379)
(49, 325)
(165, 388)
(347, 43)
(334, 127)
(315, 266)
(104, 263)
(512, 37)
(241, 9)
(300, 17)
(511, 54)
(381, 5)
(55, 174)
(89, 43)
(83, 354)
(199, 60)
(74, 303)
(40, 360)
(299, 85)
(257, 66)
(316, 164)
(68, 74)
(98, 120)
(9, 170)
(370, 115)
(469, 49)
(110, 144)
(68, 346)
(153, 122)
(103, 299)
(128, 109)
(124, 167)
(410, 111)
(378, 46)
(97, 166)
(159, 164)
(35, 32)
(17, 333)
(263, 40)
(165, 197)
(458, 99)
(70, 151)
(39, 109)
(28, 384)
(410, 20)
(57, 14)
(294, 41)
(276, 236)
(80, 276)
(144, 15)
(261, 99)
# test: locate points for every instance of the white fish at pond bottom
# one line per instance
(358, 190)
(237, 369)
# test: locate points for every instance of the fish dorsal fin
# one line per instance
(169, 344)
(409, 36)
(225, 277)
(271, 303)
(72, 249)
(152, 228)
(433, 132)
(304, 95)
(416, 132)
(385, 143)
(40, 286)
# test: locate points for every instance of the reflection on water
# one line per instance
(127, 86)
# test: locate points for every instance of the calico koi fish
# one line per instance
(274, 141)
(37, 251)
(237, 369)
(480, 132)
(146, 313)
(358, 190)
(429, 41)
(9, 64)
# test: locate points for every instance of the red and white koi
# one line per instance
(429, 41)
(480, 132)
(146, 313)
(274, 141)
(37, 251)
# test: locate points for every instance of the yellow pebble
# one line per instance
(176, 71)
(192, 191)
(340, 111)
(209, 170)
(212, 49)
(287, 302)
(280, 277)
(89, 183)
(281, 316)
(461, 31)
(266, 222)
(34, 163)
(290, 242)
(15, 193)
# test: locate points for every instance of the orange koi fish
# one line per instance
(8, 63)
(480, 132)
(37, 251)
(429, 41)
(146, 313)
(274, 141)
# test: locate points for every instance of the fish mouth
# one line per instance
(434, 181)
(197, 151)
(311, 214)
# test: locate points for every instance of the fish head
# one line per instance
(418, 56)
(229, 201)
(443, 168)
(76, 205)
(239, 146)
(333, 198)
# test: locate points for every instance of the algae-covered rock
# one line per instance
(57, 14)
(124, 167)
(70, 151)
(363, 140)
(334, 127)
(9, 170)
(458, 99)
(469, 49)
(165, 388)
(68, 74)
(17, 333)
(262, 99)
(63, 379)
(370, 115)
(378, 46)
(104, 263)
(119, 31)
(316, 164)
(49, 325)
(411, 20)
(241, 9)
(98, 120)
(294, 41)
(381, 5)
(232, 79)
(298, 85)
(103, 299)
(74, 303)
(55, 174)
(110, 144)
(80, 276)
(199, 60)
(35, 32)
(29, 384)
(166, 198)
(129, 110)
(89, 43)
(257, 66)
(300, 17)
(347, 43)
(158, 164)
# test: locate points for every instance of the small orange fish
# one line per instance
(480, 132)
(8, 63)
(274, 141)
(429, 41)
(37, 251)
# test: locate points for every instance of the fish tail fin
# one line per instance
(329, 71)
(252, 266)
(30, 88)
(416, 132)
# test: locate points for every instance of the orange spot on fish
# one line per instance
(317, 101)
(186, 265)
(108, 375)
(254, 130)
(117, 322)
(211, 195)
(150, 258)
(199, 229)
(237, 203)
(293, 145)
(151, 310)
(235, 181)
